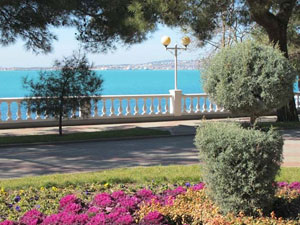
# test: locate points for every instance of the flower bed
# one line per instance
(155, 204)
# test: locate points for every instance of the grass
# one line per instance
(134, 132)
(137, 175)
(279, 125)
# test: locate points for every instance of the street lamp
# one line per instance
(165, 40)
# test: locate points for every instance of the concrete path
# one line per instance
(31, 160)
(46, 159)
(64, 158)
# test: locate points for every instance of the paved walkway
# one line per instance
(33, 160)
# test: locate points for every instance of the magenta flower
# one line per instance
(295, 185)
(67, 200)
(154, 218)
(118, 194)
(72, 208)
(98, 219)
(32, 217)
(124, 220)
(103, 200)
(7, 222)
(198, 187)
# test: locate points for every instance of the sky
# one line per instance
(16, 55)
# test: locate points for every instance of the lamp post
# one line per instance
(165, 40)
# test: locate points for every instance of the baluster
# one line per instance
(120, 109)
(159, 106)
(204, 105)
(144, 106)
(0, 111)
(136, 107)
(151, 106)
(184, 105)
(8, 115)
(197, 105)
(28, 113)
(18, 113)
(128, 108)
(217, 108)
(103, 108)
(167, 110)
(210, 109)
(192, 106)
(112, 108)
(96, 108)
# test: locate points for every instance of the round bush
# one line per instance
(249, 78)
(240, 165)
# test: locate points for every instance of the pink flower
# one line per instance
(32, 217)
(98, 219)
(103, 200)
(198, 187)
(72, 208)
(7, 222)
(118, 194)
(67, 200)
(153, 218)
(124, 220)
(145, 193)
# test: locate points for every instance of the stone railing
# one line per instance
(120, 108)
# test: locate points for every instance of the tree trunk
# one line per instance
(276, 28)
(60, 125)
(61, 105)
(289, 111)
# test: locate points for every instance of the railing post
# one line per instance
(175, 103)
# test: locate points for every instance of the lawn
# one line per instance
(108, 134)
(137, 175)
(119, 196)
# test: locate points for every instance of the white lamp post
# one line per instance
(165, 40)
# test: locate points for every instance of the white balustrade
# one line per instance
(13, 110)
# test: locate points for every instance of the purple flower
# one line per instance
(18, 208)
(17, 198)
(187, 184)
(10, 206)
(153, 218)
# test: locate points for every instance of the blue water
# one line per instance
(116, 82)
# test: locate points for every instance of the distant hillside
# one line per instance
(155, 65)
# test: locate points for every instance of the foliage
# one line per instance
(131, 204)
(240, 165)
(249, 78)
(59, 93)
(30, 20)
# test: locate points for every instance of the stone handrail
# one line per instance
(121, 108)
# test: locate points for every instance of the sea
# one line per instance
(116, 82)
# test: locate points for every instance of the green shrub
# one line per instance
(239, 166)
(249, 78)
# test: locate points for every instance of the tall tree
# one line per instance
(59, 93)
(203, 18)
